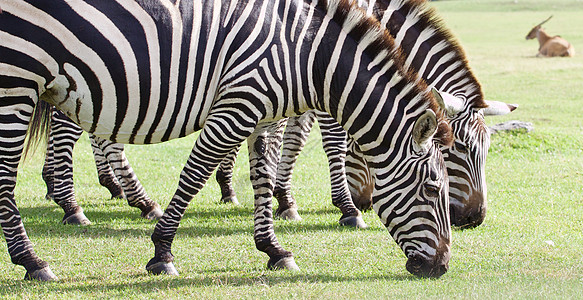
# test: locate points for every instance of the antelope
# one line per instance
(550, 46)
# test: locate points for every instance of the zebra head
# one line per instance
(466, 158)
(417, 216)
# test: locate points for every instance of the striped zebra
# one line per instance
(467, 209)
(432, 51)
(143, 72)
(113, 169)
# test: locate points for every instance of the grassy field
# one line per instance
(528, 247)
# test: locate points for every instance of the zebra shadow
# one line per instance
(143, 283)
(45, 221)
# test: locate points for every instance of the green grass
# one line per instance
(535, 184)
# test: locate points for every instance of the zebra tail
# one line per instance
(38, 128)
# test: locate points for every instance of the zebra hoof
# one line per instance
(352, 221)
(118, 195)
(230, 199)
(160, 268)
(78, 218)
(286, 263)
(290, 214)
(44, 274)
(155, 214)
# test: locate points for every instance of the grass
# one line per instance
(528, 247)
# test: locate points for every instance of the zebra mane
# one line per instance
(430, 19)
(381, 46)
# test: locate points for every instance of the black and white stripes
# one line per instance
(432, 51)
(114, 172)
(146, 72)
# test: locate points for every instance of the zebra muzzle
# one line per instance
(421, 266)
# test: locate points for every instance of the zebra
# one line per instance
(466, 165)
(58, 172)
(141, 72)
(433, 52)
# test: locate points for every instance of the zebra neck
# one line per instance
(359, 81)
(429, 47)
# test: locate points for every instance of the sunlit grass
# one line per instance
(528, 247)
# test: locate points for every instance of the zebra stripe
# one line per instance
(133, 190)
(432, 51)
(105, 173)
(110, 161)
(294, 139)
(237, 92)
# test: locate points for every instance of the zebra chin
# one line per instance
(470, 213)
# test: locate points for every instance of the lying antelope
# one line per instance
(550, 46)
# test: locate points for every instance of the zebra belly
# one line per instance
(74, 98)
(81, 112)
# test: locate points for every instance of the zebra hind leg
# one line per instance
(264, 146)
(133, 189)
(58, 168)
(48, 175)
(15, 113)
(224, 178)
(105, 173)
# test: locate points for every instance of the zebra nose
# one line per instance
(362, 202)
(471, 213)
(427, 268)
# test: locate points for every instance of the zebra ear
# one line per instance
(448, 102)
(497, 108)
(424, 128)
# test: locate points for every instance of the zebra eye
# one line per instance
(431, 189)
(461, 147)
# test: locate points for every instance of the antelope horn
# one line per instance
(545, 21)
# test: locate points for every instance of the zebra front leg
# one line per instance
(264, 146)
(224, 177)
(16, 113)
(295, 137)
(133, 189)
(210, 148)
(64, 134)
(334, 143)
(105, 173)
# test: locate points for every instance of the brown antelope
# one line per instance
(550, 46)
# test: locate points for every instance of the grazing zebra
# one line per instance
(431, 50)
(143, 72)
(434, 53)
(58, 172)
